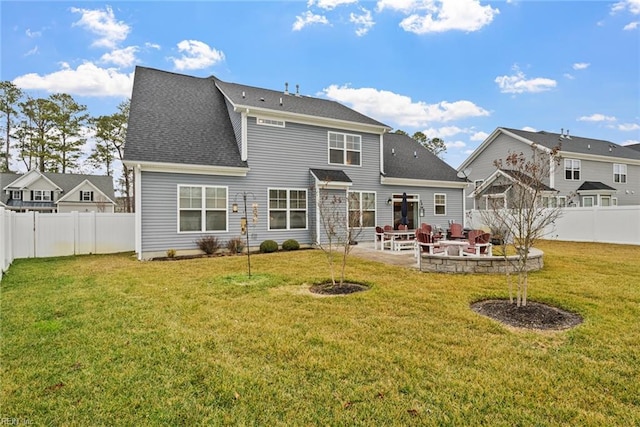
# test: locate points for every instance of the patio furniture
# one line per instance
(453, 247)
(382, 238)
(426, 244)
(426, 228)
(401, 239)
(455, 231)
(479, 244)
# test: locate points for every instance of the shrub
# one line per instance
(235, 245)
(290, 245)
(171, 253)
(268, 246)
(209, 244)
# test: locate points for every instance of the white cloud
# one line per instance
(597, 118)
(529, 129)
(363, 22)
(443, 132)
(121, 57)
(581, 65)
(633, 6)
(518, 83)
(447, 15)
(569, 76)
(86, 80)
(479, 136)
(626, 127)
(32, 51)
(329, 4)
(405, 6)
(455, 144)
(103, 23)
(196, 55)
(308, 18)
(631, 26)
(152, 45)
(33, 34)
(630, 142)
(400, 109)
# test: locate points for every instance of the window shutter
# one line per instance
(31, 194)
(52, 196)
(80, 194)
(92, 196)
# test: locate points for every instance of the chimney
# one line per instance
(297, 90)
(286, 88)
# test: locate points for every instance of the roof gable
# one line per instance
(23, 182)
(87, 182)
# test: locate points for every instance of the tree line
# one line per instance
(48, 134)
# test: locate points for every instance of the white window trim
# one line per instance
(592, 201)
(344, 149)
(85, 193)
(203, 209)
(375, 205)
(288, 209)
(45, 196)
(573, 169)
(621, 167)
(17, 193)
(265, 121)
(562, 201)
(435, 205)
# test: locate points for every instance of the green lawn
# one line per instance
(108, 340)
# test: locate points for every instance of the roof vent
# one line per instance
(561, 133)
(567, 135)
(297, 90)
(243, 94)
(262, 99)
(286, 88)
(281, 101)
(415, 154)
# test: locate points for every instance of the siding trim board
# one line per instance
(179, 168)
(385, 180)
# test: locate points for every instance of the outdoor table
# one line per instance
(397, 241)
(457, 244)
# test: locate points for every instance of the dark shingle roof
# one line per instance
(304, 105)
(633, 146)
(594, 186)
(577, 144)
(330, 175)
(66, 182)
(400, 161)
(181, 119)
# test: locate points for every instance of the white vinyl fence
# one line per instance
(612, 224)
(37, 235)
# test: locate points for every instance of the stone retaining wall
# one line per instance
(478, 264)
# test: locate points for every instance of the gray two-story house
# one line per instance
(200, 147)
(592, 172)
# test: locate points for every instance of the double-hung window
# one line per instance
(287, 209)
(572, 169)
(16, 194)
(362, 209)
(202, 208)
(619, 173)
(86, 196)
(345, 149)
(440, 204)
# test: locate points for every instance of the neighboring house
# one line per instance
(54, 192)
(592, 172)
(497, 190)
(198, 146)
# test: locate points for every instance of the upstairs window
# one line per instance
(344, 149)
(572, 169)
(16, 194)
(619, 173)
(86, 196)
(270, 122)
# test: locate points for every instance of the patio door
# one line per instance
(413, 220)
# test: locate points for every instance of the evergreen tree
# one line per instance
(70, 119)
(10, 96)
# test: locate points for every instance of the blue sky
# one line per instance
(454, 69)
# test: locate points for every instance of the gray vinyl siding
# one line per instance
(236, 124)
(483, 166)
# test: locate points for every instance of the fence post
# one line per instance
(76, 231)
(3, 242)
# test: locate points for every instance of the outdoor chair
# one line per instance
(479, 243)
(455, 231)
(426, 228)
(382, 238)
(426, 244)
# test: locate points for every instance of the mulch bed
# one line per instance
(339, 289)
(534, 315)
